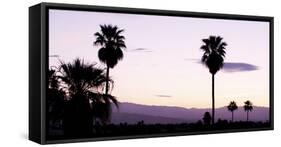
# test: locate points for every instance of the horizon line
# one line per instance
(187, 107)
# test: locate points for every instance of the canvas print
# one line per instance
(119, 74)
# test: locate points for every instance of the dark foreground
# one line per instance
(124, 129)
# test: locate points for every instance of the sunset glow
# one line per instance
(161, 65)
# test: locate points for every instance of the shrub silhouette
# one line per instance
(207, 118)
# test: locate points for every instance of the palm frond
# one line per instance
(112, 99)
(119, 54)
(218, 40)
(102, 54)
(206, 49)
(206, 41)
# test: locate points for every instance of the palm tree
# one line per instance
(112, 42)
(248, 107)
(232, 107)
(213, 58)
(82, 83)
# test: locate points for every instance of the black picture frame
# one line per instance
(38, 64)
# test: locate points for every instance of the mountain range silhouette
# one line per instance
(133, 113)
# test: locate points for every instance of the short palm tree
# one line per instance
(248, 107)
(82, 83)
(112, 42)
(232, 107)
(213, 58)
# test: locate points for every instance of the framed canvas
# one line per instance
(102, 73)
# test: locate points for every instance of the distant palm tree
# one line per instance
(248, 107)
(213, 58)
(207, 118)
(112, 42)
(232, 107)
(82, 82)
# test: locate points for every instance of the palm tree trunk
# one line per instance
(213, 99)
(247, 115)
(107, 80)
(232, 116)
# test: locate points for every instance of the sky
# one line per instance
(161, 64)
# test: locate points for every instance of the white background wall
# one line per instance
(14, 71)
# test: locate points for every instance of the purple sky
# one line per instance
(160, 65)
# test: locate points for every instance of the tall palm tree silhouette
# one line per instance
(248, 107)
(82, 83)
(112, 42)
(232, 107)
(213, 58)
